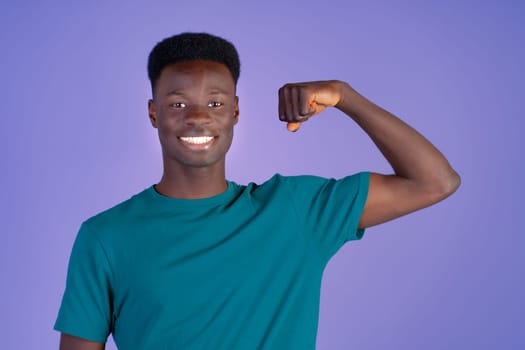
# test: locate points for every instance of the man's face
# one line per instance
(194, 108)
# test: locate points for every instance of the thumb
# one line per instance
(293, 126)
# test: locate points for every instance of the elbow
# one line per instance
(452, 183)
(447, 184)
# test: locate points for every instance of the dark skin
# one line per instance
(422, 176)
(69, 342)
(194, 99)
(194, 109)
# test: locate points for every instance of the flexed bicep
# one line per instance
(391, 196)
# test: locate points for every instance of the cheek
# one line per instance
(165, 128)
(168, 121)
(163, 137)
(228, 134)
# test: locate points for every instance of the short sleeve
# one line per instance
(330, 208)
(86, 309)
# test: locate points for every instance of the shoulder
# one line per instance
(301, 189)
(292, 181)
(123, 212)
(279, 182)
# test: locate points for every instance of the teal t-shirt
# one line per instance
(240, 270)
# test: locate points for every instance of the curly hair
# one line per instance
(189, 47)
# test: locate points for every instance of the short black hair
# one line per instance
(190, 47)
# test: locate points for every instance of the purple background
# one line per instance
(78, 140)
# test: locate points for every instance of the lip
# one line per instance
(198, 146)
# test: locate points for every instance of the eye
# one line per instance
(178, 105)
(215, 104)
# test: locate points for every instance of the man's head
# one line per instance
(194, 105)
(190, 47)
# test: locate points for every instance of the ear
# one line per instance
(236, 110)
(152, 111)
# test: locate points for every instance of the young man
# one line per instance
(199, 262)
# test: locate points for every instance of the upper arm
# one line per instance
(391, 196)
(87, 302)
(70, 342)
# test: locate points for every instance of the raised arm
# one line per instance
(422, 176)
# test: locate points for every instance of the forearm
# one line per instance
(410, 154)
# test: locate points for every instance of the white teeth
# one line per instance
(197, 140)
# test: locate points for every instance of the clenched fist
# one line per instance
(300, 101)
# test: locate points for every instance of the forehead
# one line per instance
(198, 72)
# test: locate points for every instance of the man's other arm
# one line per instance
(69, 342)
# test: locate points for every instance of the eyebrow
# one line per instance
(215, 91)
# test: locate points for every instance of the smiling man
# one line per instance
(194, 108)
(199, 262)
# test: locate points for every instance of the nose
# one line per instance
(197, 115)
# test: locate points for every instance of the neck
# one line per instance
(192, 183)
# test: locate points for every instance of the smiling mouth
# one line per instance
(197, 140)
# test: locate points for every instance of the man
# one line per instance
(199, 262)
